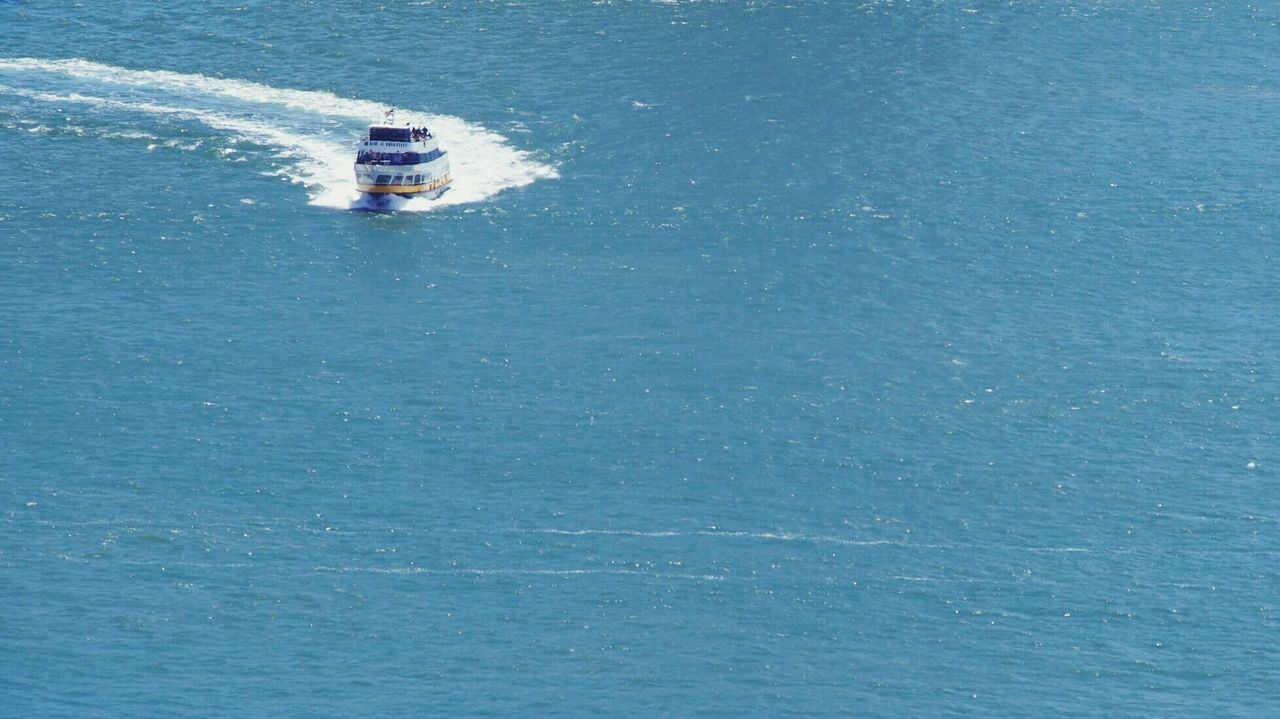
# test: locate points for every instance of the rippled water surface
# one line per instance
(767, 359)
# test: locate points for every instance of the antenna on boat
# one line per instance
(389, 117)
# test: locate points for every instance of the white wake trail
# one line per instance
(319, 156)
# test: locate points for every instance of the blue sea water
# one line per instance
(768, 359)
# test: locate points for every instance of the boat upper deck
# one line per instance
(368, 157)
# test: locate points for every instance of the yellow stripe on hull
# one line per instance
(403, 189)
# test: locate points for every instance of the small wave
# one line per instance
(610, 532)
(781, 536)
(726, 534)
(518, 571)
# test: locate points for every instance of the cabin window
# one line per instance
(389, 134)
(429, 156)
(384, 179)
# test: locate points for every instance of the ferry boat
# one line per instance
(405, 161)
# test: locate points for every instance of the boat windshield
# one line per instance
(389, 134)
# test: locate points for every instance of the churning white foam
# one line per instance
(313, 133)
